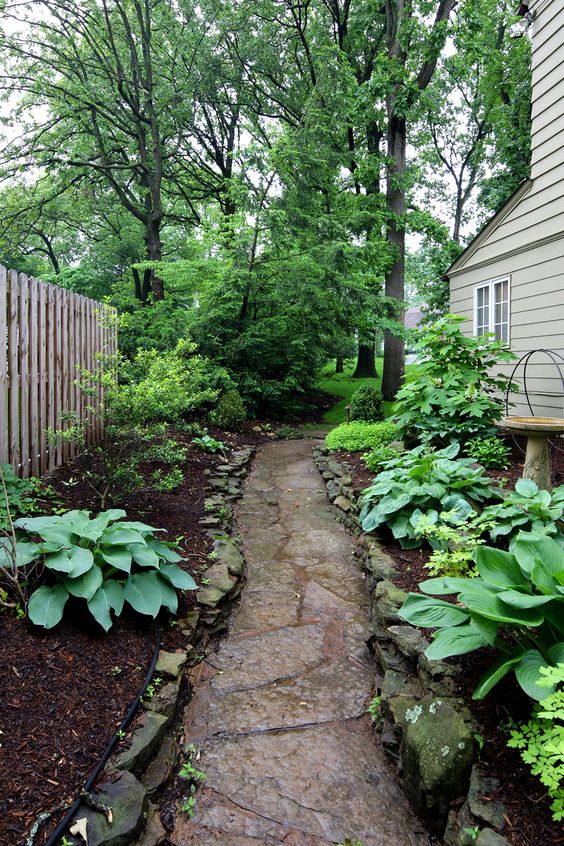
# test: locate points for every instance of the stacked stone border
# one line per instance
(428, 733)
(121, 811)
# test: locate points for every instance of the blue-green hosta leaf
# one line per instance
(168, 596)
(46, 605)
(85, 586)
(431, 613)
(527, 672)
(527, 488)
(101, 522)
(372, 520)
(457, 640)
(74, 561)
(116, 535)
(144, 555)
(50, 529)
(110, 595)
(177, 577)
(499, 569)
(401, 527)
(495, 673)
(556, 654)
(543, 580)
(460, 506)
(525, 600)
(530, 549)
(119, 557)
(26, 552)
(393, 503)
(482, 600)
(444, 585)
(163, 551)
(143, 593)
(139, 527)
(487, 628)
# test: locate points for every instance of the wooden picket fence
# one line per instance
(48, 336)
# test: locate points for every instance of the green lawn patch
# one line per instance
(343, 385)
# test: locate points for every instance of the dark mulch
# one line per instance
(65, 691)
(528, 817)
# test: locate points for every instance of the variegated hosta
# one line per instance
(106, 561)
(515, 605)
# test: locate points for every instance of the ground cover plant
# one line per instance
(489, 452)
(424, 483)
(378, 457)
(358, 435)
(525, 509)
(452, 393)
(515, 604)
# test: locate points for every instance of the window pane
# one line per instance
(482, 310)
(501, 310)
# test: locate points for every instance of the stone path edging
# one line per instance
(133, 776)
(425, 729)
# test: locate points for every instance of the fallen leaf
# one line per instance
(80, 828)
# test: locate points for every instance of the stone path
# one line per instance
(279, 711)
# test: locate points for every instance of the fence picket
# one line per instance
(3, 366)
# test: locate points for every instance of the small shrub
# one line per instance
(21, 496)
(424, 483)
(289, 433)
(377, 458)
(453, 544)
(489, 452)
(358, 436)
(106, 560)
(541, 740)
(525, 509)
(230, 412)
(209, 444)
(367, 404)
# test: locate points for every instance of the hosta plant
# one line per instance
(516, 605)
(107, 561)
(541, 739)
(525, 509)
(424, 483)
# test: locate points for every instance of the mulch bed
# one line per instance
(65, 691)
(528, 817)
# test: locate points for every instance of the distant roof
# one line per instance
(413, 317)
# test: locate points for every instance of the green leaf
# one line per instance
(457, 640)
(393, 503)
(444, 585)
(556, 654)
(163, 551)
(496, 672)
(101, 522)
(431, 613)
(531, 549)
(524, 600)
(178, 577)
(118, 557)
(168, 596)
(526, 487)
(372, 520)
(143, 593)
(26, 552)
(483, 601)
(49, 528)
(528, 673)
(85, 586)
(110, 595)
(117, 535)
(74, 562)
(498, 568)
(144, 555)
(46, 605)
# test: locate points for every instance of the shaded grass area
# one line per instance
(343, 385)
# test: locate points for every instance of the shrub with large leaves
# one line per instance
(516, 605)
(106, 561)
(525, 509)
(424, 483)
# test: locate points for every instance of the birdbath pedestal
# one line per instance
(538, 431)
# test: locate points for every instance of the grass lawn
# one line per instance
(342, 385)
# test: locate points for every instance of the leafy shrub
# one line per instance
(209, 444)
(367, 404)
(377, 458)
(106, 560)
(541, 739)
(167, 482)
(21, 496)
(525, 509)
(161, 386)
(453, 544)
(489, 452)
(515, 605)
(164, 449)
(357, 436)
(230, 412)
(289, 433)
(451, 392)
(423, 483)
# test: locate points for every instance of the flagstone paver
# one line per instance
(279, 713)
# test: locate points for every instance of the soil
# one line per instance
(528, 818)
(65, 691)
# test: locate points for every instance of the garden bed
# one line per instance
(66, 690)
(528, 820)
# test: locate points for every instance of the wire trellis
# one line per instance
(557, 360)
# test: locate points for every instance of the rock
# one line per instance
(189, 623)
(164, 701)
(219, 578)
(332, 490)
(154, 832)
(210, 522)
(388, 600)
(487, 837)
(161, 768)
(228, 553)
(408, 640)
(382, 566)
(209, 596)
(170, 663)
(327, 475)
(335, 467)
(128, 800)
(438, 677)
(389, 657)
(145, 741)
(396, 686)
(437, 753)
(343, 503)
(485, 810)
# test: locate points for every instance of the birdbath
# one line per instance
(537, 430)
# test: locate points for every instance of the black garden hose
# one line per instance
(60, 829)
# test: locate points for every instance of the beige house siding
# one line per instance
(525, 240)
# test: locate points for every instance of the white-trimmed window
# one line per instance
(491, 308)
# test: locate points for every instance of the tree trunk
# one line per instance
(154, 247)
(339, 364)
(365, 363)
(394, 350)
